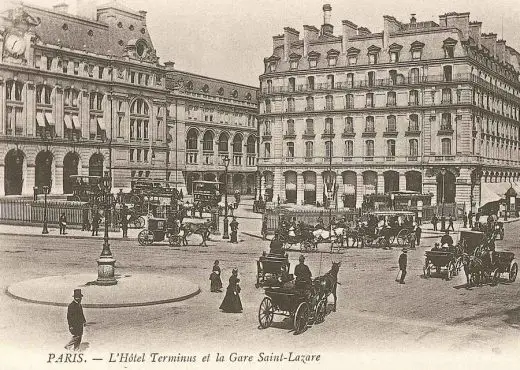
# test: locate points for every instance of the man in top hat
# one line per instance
(76, 320)
(403, 262)
(302, 273)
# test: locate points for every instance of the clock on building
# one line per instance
(14, 44)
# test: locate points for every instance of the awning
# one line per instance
(492, 191)
(75, 120)
(68, 122)
(50, 118)
(516, 187)
(309, 186)
(40, 119)
(101, 123)
(290, 186)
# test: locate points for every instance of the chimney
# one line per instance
(310, 33)
(290, 35)
(86, 9)
(61, 8)
(143, 13)
(501, 50)
(363, 31)
(413, 20)
(489, 40)
(459, 21)
(391, 25)
(170, 66)
(327, 28)
(349, 30)
(475, 31)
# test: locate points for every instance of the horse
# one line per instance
(329, 283)
(203, 230)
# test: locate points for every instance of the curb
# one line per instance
(64, 237)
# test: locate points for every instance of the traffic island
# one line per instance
(131, 290)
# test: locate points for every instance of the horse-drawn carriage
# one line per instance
(304, 305)
(86, 188)
(447, 259)
(156, 231)
(272, 270)
(384, 229)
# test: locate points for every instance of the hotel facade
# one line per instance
(421, 106)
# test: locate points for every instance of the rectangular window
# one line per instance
(309, 149)
(119, 126)
(139, 129)
(313, 63)
(132, 152)
(65, 66)
(352, 60)
(76, 68)
(132, 77)
(394, 57)
(370, 148)
(267, 150)
(132, 129)
(371, 79)
(349, 124)
(290, 150)
(49, 63)
(350, 101)
(390, 145)
(145, 130)
(416, 54)
(349, 148)
(138, 155)
(370, 100)
(329, 149)
(37, 61)
(309, 128)
(372, 58)
(145, 156)
(290, 127)
(100, 72)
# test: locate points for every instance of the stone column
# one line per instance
(380, 183)
(402, 181)
(299, 188)
(278, 185)
(57, 183)
(360, 189)
(319, 188)
(262, 185)
(339, 193)
(29, 179)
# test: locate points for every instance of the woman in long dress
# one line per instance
(216, 282)
(231, 302)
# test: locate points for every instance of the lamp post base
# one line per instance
(226, 229)
(106, 270)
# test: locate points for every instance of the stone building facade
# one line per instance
(79, 95)
(422, 106)
(211, 119)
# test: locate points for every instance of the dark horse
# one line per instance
(203, 230)
(329, 282)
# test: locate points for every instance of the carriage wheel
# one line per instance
(496, 277)
(174, 240)
(402, 237)
(301, 318)
(451, 267)
(321, 310)
(513, 272)
(474, 278)
(265, 313)
(139, 222)
(144, 237)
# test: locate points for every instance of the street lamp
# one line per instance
(106, 261)
(443, 222)
(45, 192)
(226, 161)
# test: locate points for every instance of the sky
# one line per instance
(228, 39)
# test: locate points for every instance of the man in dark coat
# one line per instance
(403, 262)
(234, 230)
(85, 224)
(276, 246)
(264, 227)
(465, 219)
(434, 222)
(76, 320)
(63, 223)
(95, 223)
(447, 239)
(302, 274)
(418, 232)
(443, 223)
(450, 223)
(470, 219)
(124, 220)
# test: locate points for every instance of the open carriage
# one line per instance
(272, 270)
(301, 306)
(443, 260)
(379, 232)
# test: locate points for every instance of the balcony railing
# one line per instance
(191, 157)
(237, 159)
(251, 160)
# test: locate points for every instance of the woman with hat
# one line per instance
(216, 282)
(76, 320)
(231, 302)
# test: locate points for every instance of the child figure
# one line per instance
(216, 282)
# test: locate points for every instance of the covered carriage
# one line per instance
(384, 229)
(272, 270)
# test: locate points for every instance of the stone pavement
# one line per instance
(130, 290)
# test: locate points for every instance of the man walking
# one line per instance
(450, 223)
(95, 223)
(76, 320)
(470, 219)
(264, 227)
(465, 219)
(403, 262)
(63, 223)
(418, 232)
(124, 221)
(434, 222)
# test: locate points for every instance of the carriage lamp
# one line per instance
(106, 261)
(225, 234)
(45, 192)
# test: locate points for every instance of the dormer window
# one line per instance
(140, 48)
(270, 63)
(272, 67)
(352, 56)
(205, 89)
(294, 61)
(313, 59)
(189, 85)
(332, 57)
(416, 54)
(373, 54)
(221, 91)
(395, 50)
(449, 47)
(248, 96)
(234, 94)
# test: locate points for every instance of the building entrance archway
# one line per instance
(14, 174)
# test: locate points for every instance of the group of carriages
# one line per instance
(475, 253)
(378, 230)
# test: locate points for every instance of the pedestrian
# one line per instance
(418, 232)
(470, 219)
(124, 221)
(95, 223)
(264, 227)
(231, 302)
(76, 320)
(465, 219)
(434, 222)
(403, 261)
(216, 282)
(477, 217)
(63, 223)
(234, 230)
(450, 222)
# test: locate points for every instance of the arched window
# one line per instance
(251, 145)
(223, 143)
(192, 139)
(43, 94)
(207, 141)
(14, 90)
(237, 144)
(139, 120)
(70, 97)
